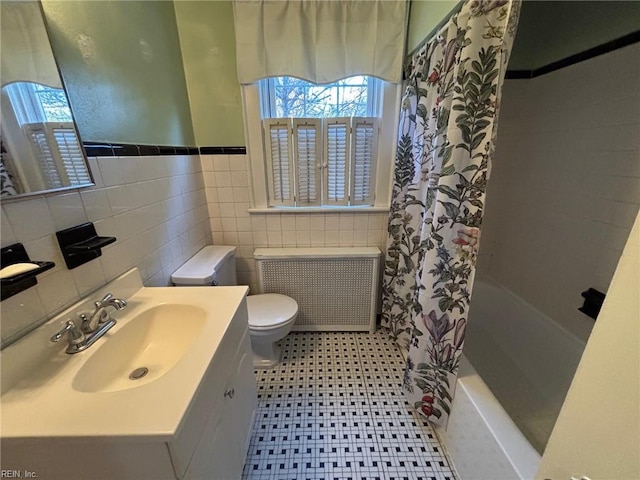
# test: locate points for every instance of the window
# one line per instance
(35, 103)
(58, 154)
(312, 139)
(46, 122)
(284, 97)
(320, 141)
(53, 102)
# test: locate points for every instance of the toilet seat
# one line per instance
(270, 310)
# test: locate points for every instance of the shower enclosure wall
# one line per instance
(562, 197)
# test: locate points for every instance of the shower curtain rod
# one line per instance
(435, 29)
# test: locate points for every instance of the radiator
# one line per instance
(336, 288)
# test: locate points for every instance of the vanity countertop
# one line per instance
(40, 394)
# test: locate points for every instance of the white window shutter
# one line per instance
(279, 157)
(57, 150)
(308, 160)
(364, 144)
(336, 164)
(71, 155)
(44, 154)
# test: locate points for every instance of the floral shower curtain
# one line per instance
(448, 124)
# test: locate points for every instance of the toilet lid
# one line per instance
(269, 310)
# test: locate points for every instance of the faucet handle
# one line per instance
(104, 300)
(75, 334)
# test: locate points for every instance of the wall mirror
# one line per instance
(41, 148)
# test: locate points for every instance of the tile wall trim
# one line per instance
(607, 47)
(108, 149)
(223, 150)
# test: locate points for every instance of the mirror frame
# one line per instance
(21, 196)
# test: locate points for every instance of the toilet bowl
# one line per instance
(271, 315)
(271, 318)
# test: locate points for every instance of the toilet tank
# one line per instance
(213, 265)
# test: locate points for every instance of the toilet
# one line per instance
(271, 315)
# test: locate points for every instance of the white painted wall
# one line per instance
(598, 431)
(565, 185)
(424, 16)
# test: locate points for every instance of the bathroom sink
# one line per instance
(146, 348)
(165, 339)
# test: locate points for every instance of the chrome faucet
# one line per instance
(93, 327)
(100, 314)
(76, 337)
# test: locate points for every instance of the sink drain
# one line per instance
(138, 373)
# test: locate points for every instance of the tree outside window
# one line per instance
(291, 97)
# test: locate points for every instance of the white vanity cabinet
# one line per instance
(212, 444)
(222, 449)
(193, 422)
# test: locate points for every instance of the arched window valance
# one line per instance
(320, 40)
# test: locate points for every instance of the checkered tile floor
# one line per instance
(334, 409)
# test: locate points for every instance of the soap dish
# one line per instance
(14, 284)
(81, 244)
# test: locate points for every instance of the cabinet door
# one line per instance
(211, 458)
(209, 399)
(221, 453)
(246, 398)
(239, 416)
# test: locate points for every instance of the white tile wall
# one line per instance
(226, 183)
(565, 185)
(155, 206)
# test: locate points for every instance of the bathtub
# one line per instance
(515, 372)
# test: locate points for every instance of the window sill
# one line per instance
(319, 210)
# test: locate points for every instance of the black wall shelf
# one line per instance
(81, 244)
